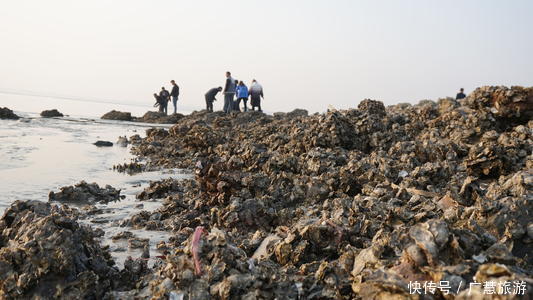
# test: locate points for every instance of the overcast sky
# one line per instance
(308, 54)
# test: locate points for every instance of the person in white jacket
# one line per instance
(256, 93)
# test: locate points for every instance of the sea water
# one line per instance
(39, 155)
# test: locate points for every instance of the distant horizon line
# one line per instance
(65, 97)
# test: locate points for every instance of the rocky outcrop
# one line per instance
(51, 113)
(6, 113)
(346, 204)
(506, 102)
(84, 193)
(159, 189)
(44, 254)
(157, 117)
(117, 115)
(148, 117)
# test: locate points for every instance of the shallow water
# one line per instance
(39, 155)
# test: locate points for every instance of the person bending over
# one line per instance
(210, 97)
(165, 97)
(158, 102)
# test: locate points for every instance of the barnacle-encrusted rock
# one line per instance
(148, 117)
(117, 115)
(46, 254)
(350, 203)
(84, 192)
(157, 117)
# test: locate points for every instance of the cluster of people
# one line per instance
(163, 98)
(234, 92)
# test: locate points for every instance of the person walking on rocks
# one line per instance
(256, 93)
(229, 93)
(460, 95)
(174, 93)
(165, 97)
(242, 94)
(210, 97)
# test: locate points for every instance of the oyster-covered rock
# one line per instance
(45, 254)
(117, 115)
(351, 203)
(84, 192)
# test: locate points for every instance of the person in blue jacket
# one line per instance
(242, 94)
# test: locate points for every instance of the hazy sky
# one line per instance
(308, 54)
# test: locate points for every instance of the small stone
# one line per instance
(103, 144)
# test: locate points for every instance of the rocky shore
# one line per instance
(348, 204)
(148, 117)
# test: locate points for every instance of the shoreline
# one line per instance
(344, 204)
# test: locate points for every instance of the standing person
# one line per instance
(256, 93)
(210, 97)
(174, 93)
(242, 94)
(460, 95)
(158, 102)
(229, 93)
(234, 106)
(165, 97)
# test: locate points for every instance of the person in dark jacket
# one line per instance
(158, 102)
(210, 97)
(165, 97)
(256, 93)
(174, 93)
(460, 95)
(242, 94)
(229, 93)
